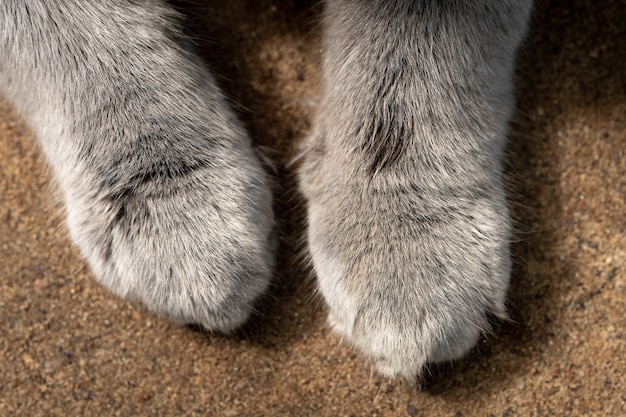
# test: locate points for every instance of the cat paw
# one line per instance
(193, 244)
(163, 191)
(410, 273)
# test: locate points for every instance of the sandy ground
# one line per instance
(68, 348)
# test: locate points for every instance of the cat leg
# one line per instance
(164, 194)
(408, 225)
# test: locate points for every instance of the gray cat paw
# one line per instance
(195, 248)
(409, 272)
(164, 194)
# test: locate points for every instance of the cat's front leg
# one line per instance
(164, 194)
(408, 223)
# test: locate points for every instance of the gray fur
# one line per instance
(164, 195)
(408, 223)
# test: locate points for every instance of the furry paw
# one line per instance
(194, 248)
(164, 194)
(409, 272)
(407, 220)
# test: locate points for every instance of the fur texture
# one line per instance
(408, 223)
(164, 194)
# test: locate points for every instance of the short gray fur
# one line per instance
(408, 222)
(164, 194)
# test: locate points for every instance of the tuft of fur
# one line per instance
(408, 225)
(163, 192)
